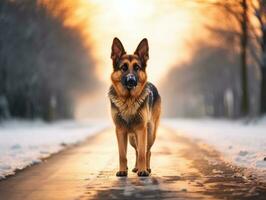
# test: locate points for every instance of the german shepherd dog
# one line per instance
(135, 106)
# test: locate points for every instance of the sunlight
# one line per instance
(124, 9)
(169, 27)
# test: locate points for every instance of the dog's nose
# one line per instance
(131, 81)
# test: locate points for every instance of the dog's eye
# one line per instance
(136, 67)
(124, 67)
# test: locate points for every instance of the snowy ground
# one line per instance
(241, 143)
(24, 143)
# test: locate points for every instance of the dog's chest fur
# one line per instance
(128, 108)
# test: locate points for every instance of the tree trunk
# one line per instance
(243, 59)
(263, 72)
(263, 90)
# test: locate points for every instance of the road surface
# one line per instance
(181, 169)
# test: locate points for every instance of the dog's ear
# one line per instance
(117, 50)
(143, 51)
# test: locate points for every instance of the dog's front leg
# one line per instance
(121, 135)
(141, 134)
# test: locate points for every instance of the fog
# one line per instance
(57, 53)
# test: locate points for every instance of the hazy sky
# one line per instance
(165, 24)
(169, 26)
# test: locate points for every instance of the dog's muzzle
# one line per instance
(131, 81)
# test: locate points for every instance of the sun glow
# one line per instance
(171, 27)
(168, 25)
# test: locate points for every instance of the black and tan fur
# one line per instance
(135, 109)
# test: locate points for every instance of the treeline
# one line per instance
(208, 85)
(43, 64)
(226, 76)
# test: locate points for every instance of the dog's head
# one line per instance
(129, 70)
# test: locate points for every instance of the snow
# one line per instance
(24, 143)
(242, 143)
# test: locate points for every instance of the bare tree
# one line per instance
(249, 9)
(243, 56)
(260, 13)
(238, 9)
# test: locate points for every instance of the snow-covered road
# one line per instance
(181, 169)
(23, 143)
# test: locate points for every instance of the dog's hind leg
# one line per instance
(151, 138)
(152, 127)
(133, 142)
(135, 169)
(148, 159)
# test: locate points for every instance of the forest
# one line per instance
(227, 77)
(43, 63)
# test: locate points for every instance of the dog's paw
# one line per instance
(143, 173)
(121, 173)
(134, 169)
(149, 170)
